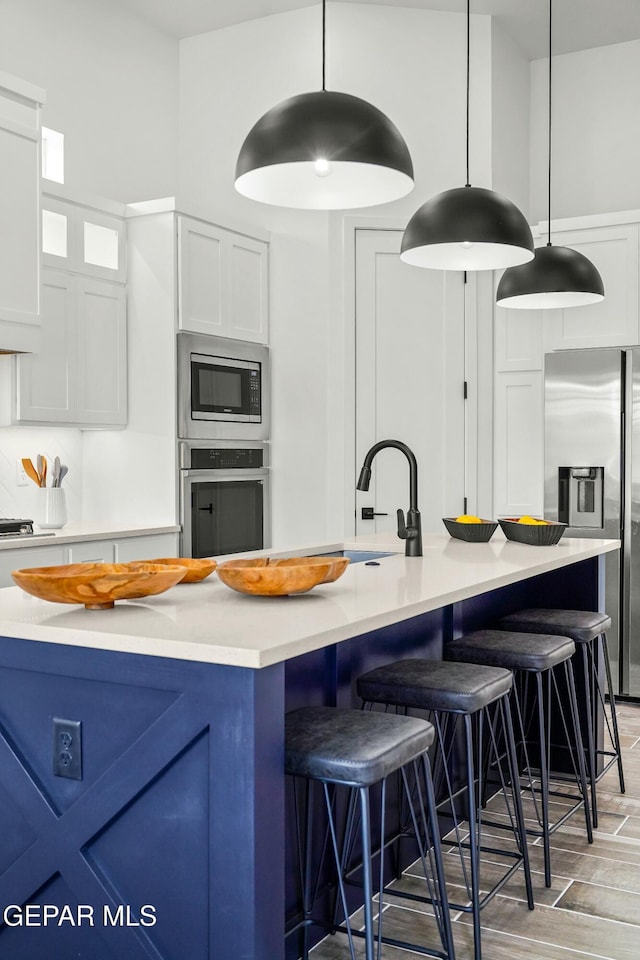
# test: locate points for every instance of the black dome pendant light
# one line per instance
(557, 276)
(467, 228)
(324, 151)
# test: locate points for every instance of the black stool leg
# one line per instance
(440, 905)
(543, 733)
(590, 688)
(512, 761)
(604, 650)
(568, 672)
(306, 887)
(473, 828)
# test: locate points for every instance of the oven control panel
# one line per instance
(226, 458)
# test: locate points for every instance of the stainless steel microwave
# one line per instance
(223, 388)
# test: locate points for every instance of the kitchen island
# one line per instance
(173, 842)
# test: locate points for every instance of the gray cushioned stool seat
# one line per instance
(514, 651)
(435, 685)
(583, 626)
(351, 746)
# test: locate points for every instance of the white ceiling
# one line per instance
(578, 24)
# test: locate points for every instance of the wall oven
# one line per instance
(223, 388)
(224, 497)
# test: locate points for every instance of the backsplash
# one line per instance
(19, 442)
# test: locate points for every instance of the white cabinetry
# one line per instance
(117, 550)
(614, 321)
(79, 375)
(20, 105)
(222, 282)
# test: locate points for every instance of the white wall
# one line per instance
(510, 96)
(411, 64)
(112, 88)
(18, 442)
(596, 147)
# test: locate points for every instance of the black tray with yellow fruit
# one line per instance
(532, 530)
(470, 528)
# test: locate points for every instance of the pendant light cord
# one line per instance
(324, 43)
(468, 184)
(549, 183)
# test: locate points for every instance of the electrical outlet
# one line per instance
(67, 748)
(22, 480)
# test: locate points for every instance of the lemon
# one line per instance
(468, 518)
(531, 520)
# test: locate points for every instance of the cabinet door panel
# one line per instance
(200, 270)
(519, 449)
(45, 388)
(146, 548)
(23, 557)
(614, 321)
(518, 336)
(102, 361)
(248, 287)
(91, 551)
(19, 213)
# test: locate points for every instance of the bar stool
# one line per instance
(588, 630)
(356, 750)
(535, 657)
(471, 703)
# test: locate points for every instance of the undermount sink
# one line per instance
(361, 556)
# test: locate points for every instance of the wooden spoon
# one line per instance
(30, 470)
(44, 471)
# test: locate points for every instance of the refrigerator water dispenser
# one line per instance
(580, 496)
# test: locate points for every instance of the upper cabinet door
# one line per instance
(102, 352)
(46, 390)
(222, 282)
(19, 215)
(201, 255)
(614, 321)
(248, 304)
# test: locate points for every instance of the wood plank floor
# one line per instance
(592, 909)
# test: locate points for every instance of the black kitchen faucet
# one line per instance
(411, 531)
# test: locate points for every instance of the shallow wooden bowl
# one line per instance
(98, 585)
(264, 578)
(196, 569)
(338, 565)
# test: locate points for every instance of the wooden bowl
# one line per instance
(196, 569)
(277, 578)
(338, 565)
(97, 585)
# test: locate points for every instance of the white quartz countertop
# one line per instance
(79, 530)
(208, 622)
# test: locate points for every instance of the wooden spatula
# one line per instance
(30, 470)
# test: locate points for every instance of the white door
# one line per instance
(409, 382)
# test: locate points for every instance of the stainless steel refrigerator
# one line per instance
(592, 478)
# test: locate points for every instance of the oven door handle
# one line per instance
(213, 475)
